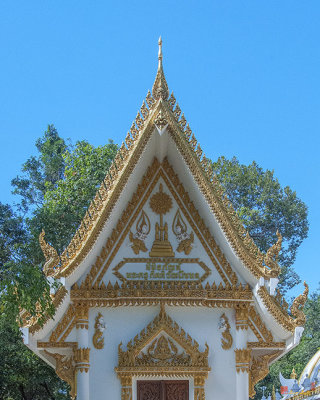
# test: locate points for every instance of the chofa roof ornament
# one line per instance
(160, 87)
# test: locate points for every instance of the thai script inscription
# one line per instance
(166, 271)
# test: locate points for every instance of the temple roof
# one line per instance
(161, 112)
(162, 149)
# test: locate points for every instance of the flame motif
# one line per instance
(179, 228)
(143, 222)
(142, 230)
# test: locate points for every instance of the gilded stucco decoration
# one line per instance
(82, 317)
(242, 315)
(271, 258)
(142, 230)
(160, 88)
(243, 358)
(161, 203)
(65, 369)
(152, 292)
(163, 348)
(169, 269)
(224, 327)
(185, 239)
(50, 254)
(298, 306)
(199, 165)
(280, 313)
(65, 326)
(154, 173)
(259, 369)
(99, 328)
(82, 359)
(32, 321)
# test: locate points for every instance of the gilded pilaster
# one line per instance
(199, 392)
(126, 388)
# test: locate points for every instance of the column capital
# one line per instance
(242, 316)
(82, 358)
(243, 358)
(82, 317)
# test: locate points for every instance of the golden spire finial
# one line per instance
(293, 374)
(160, 87)
(160, 52)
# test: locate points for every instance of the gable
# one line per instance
(161, 231)
(165, 239)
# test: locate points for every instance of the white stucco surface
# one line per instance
(124, 323)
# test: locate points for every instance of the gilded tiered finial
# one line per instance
(160, 86)
(293, 374)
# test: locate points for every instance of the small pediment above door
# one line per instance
(162, 346)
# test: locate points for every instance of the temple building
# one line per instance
(307, 386)
(164, 294)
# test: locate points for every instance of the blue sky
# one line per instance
(245, 73)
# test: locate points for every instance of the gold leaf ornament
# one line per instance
(99, 327)
(142, 230)
(179, 228)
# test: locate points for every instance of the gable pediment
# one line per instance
(160, 236)
(162, 345)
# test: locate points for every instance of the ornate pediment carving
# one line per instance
(163, 346)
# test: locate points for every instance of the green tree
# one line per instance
(300, 355)
(41, 173)
(265, 207)
(55, 189)
(23, 374)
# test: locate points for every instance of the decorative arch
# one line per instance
(163, 348)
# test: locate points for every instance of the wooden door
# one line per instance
(163, 390)
(176, 390)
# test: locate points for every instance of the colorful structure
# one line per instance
(307, 386)
(164, 293)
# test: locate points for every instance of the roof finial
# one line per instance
(160, 87)
(160, 52)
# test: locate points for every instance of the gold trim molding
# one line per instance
(154, 352)
(243, 358)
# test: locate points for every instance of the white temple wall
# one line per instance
(124, 323)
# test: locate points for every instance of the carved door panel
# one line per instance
(176, 390)
(163, 390)
(149, 390)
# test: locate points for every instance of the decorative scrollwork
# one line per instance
(50, 254)
(99, 327)
(179, 228)
(271, 257)
(224, 326)
(142, 230)
(65, 369)
(298, 305)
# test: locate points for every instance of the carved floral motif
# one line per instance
(99, 327)
(179, 228)
(224, 326)
(142, 230)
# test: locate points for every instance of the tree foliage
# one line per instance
(55, 189)
(300, 355)
(265, 207)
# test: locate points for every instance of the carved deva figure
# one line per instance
(224, 327)
(99, 326)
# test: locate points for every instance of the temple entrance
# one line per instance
(163, 390)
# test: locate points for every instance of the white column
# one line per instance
(82, 354)
(242, 355)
